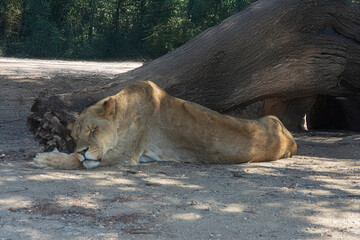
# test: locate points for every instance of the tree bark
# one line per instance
(290, 50)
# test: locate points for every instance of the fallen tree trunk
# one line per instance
(284, 52)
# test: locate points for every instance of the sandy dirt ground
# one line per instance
(313, 195)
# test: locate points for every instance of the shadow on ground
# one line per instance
(304, 197)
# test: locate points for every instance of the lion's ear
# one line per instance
(109, 107)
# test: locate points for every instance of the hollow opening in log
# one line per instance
(335, 113)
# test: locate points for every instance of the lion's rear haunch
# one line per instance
(143, 122)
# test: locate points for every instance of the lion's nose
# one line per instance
(82, 152)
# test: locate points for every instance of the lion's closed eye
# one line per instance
(92, 130)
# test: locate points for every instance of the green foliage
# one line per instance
(41, 37)
(170, 30)
(10, 18)
(90, 29)
(166, 37)
(10, 23)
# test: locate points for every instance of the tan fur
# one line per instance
(144, 122)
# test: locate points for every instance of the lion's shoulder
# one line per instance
(143, 92)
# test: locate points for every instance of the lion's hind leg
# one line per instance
(57, 160)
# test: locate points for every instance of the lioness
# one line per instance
(143, 123)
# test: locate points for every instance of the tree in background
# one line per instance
(90, 29)
(39, 35)
(10, 22)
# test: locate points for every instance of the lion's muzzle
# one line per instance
(89, 164)
(87, 161)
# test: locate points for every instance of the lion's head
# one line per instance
(95, 132)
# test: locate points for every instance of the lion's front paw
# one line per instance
(57, 160)
(42, 160)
